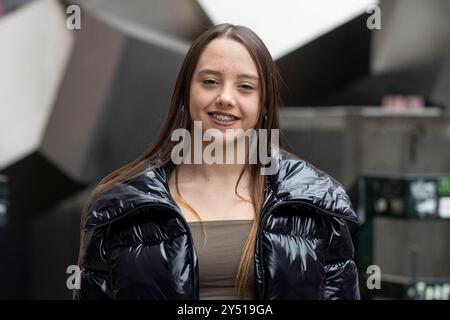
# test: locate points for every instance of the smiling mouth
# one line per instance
(223, 117)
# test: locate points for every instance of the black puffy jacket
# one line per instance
(137, 245)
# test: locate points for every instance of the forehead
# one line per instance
(227, 56)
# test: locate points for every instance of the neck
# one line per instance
(214, 174)
(226, 174)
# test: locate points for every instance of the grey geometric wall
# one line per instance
(326, 65)
(111, 101)
(407, 55)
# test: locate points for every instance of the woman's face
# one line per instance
(225, 91)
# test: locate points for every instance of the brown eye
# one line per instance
(246, 87)
(209, 82)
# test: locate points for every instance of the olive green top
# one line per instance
(218, 260)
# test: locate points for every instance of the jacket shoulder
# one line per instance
(148, 188)
(299, 180)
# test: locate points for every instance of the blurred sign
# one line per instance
(429, 291)
(407, 197)
(421, 290)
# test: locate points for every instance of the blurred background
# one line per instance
(366, 98)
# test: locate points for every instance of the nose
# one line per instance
(226, 98)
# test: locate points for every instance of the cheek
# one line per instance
(199, 98)
(252, 110)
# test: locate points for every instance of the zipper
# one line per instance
(265, 215)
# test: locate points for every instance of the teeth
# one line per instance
(223, 118)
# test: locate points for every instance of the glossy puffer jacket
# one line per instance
(137, 244)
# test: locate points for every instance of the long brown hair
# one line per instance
(159, 153)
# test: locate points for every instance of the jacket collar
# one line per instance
(295, 181)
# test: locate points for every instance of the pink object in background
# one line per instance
(402, 102)
(416, 102)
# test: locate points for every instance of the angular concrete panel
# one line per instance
(135, 107)
(34, 49)
(315, 71)
(112, 101)
(80, 103)
(180, 19)
(35, 184)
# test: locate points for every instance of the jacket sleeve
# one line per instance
(94, 276)
(341, 282)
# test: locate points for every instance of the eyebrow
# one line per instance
(215, 72)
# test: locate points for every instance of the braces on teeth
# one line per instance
(223, 118)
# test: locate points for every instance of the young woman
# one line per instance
(158, 229)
